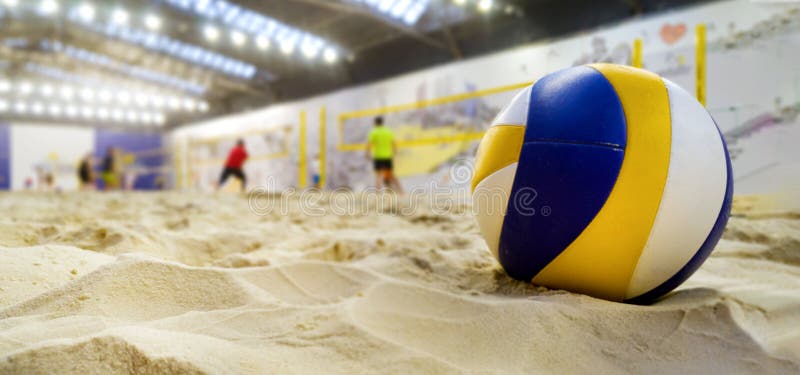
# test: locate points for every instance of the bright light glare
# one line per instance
(203, 106)
(48, 6)
(330, 55)
(20, 107)
(67, 92)
(54, 109)
(124, 97)
(119, 16)
(211, 33)
(10, 3)
(87, 112)
(459, 2)
(86, 12)
(174, 103)
(152, 22)
(47, 90)
(238, 38)
(72, 111)
(87, 94)
(25, 88)
(3, 106)
(262, 42)
(37, 108)
(287, 47)
(105, 96)
(5, 86)
(485, 5)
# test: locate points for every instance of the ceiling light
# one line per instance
(72, 111)
(203, 106)
(459, 2)
(124, 97)
(5, 86)
(48, 6)
(262, 42)
(485, 5)
(189, 104)
(159, 118)
(119, 17)
(20, 107)
(238, 38)
(287, 47)
(10, 3)
(3, 106)
(87, 94)
(147, 118)
(67, 92)
(309, 50)
(211, 33)
(141, 99)
(118, 115)
(105, 96)
(102, 114)
(86, 12)
(37, 108)
(87, 112)
(47, 90)
(54, 109)
(330, 55)
(132, 116)
(152, 22)
(25, 88)
(174, 103)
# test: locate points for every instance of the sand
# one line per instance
(183, 284)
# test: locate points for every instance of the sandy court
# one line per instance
(166, 282)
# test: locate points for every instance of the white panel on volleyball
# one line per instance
(515, 113)
(490, 202)
(693, 194)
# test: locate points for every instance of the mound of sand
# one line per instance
(168, 283)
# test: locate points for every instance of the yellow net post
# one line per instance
(302, 171)
(700, 58)
(636, 58)
(322, 147)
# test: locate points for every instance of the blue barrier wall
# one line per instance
(5, 157)
(135, 142)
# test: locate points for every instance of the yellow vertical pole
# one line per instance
(322, 147)
(700, 58)
(301, 170)
(636, 58)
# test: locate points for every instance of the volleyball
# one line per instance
(605, 180)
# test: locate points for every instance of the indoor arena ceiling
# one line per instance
(169, 62)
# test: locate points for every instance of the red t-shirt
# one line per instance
(236, 158)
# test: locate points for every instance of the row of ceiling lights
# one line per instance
(106, 96)
(246, 24)
(43, 109)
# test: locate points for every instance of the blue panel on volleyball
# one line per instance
(571, 183)
(576, 105)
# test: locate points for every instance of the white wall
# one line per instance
(57, 148)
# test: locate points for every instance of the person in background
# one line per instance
(85, 173)
(233, 165)
(381, 148)
(110, 170)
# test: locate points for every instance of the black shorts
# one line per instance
(381, 164)
(227, 172)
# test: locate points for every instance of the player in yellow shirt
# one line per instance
(381, 148)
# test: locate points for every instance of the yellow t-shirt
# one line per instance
(381, 139)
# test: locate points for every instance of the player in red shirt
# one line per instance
(233, 166)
